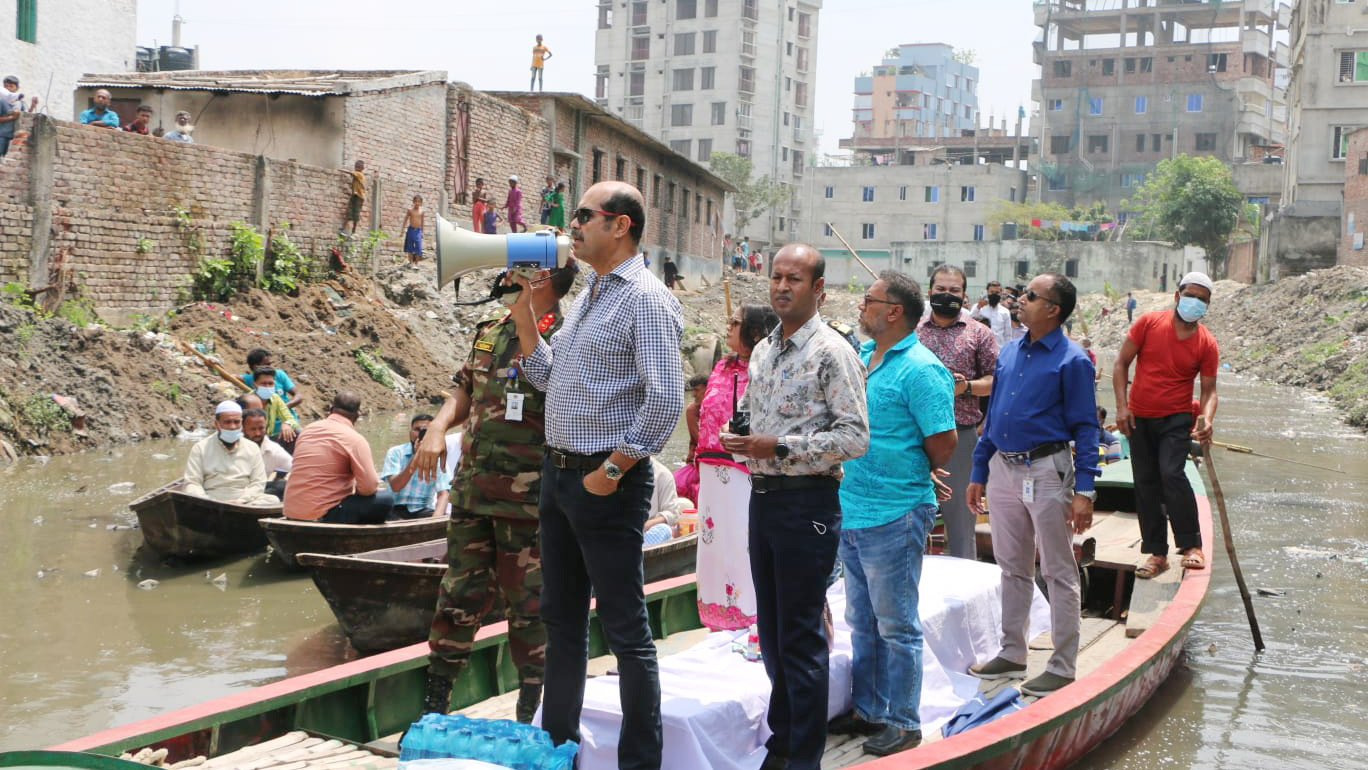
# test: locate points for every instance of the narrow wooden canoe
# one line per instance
(384, 599)
(174, 523)
(290, 537)
(378, 696)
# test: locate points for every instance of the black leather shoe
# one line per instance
(529, 696)
(891, 740)
(437, 698)
(774, 762)
(851, 723)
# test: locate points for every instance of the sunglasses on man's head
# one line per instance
(583, 215)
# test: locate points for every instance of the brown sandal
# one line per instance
(1152, 567)
(1193, 559)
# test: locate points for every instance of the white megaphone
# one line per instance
(461, 251)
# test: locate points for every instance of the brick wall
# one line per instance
(16, 215)
(401, 135)
(505, 140)
(1355, 216)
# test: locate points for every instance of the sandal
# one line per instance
(1153, 566)
(1193, 559)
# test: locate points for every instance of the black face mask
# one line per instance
(946, 305)
(994, 299)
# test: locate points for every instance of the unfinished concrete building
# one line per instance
(1127, 83)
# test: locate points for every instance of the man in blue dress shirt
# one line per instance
(1040, 494)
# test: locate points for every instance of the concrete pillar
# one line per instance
(261, 215)
(377, 203)
(42, 156)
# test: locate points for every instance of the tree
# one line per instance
(753, 198)
(1191, 201)
(965, 55)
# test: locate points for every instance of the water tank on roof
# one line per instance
(1009, 231)
(147, 59)
(173, 58)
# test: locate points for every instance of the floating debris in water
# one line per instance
(120, 486)
(119, 527)
(93, 525)
(221, 582)
(42, 574)
(92, 573)
(38, 520)
(149, 584)
(1212, 649)
(1270, 592)
(160, 456)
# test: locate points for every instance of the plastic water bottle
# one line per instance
(414, 739)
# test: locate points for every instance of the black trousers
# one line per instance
(1163, 496)
(793, 540)
(591, 542)
(362, 509)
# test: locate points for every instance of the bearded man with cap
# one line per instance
(1170, 349)
(224, 467)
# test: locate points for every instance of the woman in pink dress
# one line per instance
(726, 599)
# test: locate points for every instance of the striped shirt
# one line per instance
(613, 374)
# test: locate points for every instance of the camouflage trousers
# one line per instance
(489, 558)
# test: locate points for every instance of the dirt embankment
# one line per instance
(1310, 331)
(394, 339)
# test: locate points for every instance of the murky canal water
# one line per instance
(79, 654)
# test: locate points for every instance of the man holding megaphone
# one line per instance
(614, 392)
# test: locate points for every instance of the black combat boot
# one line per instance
(438, 696)
(529, 696)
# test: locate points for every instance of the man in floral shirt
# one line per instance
(806, 400)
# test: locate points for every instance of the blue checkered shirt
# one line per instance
(417, 495)
(613, 374)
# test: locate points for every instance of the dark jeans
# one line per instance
(400, 513)
(276, 488)
(793, 539)
(590, 542)
(359, 509)
(1159, 450)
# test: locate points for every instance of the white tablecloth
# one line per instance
(713, 701)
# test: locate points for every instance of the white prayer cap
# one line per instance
(1197, 279)
(227, 407)
(512, 179)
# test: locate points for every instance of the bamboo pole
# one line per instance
(213, 365)
(1230, 544)
(1244, 450)
(837, 233)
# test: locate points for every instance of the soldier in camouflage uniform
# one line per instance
(492, 548)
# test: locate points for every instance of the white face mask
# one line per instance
(229, 436)
(265, 393)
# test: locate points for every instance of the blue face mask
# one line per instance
(230, 436)
(265, 393)
(1191, 308)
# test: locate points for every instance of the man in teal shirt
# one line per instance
(888, 506)
(100, 115)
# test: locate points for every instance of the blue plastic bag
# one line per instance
(980, 711)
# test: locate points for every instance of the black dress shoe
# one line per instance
(891, 740)
(851, 723)
(774, 762)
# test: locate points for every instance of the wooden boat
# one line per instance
(384, 599)
(372, 699)
(174, 523)
(290, 537)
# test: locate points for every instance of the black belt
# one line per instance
(1044, 450)
(763, 484)
(568, 461)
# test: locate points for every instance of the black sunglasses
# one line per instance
(583, 215)
(1031, 296)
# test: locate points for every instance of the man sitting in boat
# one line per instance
(666, 505)
(334, 479)
(276, 459)
(414, 497)
(224, 467)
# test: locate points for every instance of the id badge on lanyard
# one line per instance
(513, 397)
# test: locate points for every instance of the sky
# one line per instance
(491, 48)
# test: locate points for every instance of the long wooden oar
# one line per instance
(1244, 450)
(1230, 545)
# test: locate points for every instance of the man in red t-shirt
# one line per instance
(1172, 349)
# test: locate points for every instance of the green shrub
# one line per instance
(44, 414)
(375, 367)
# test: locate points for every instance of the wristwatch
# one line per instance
(781, 449)
(610, 470)
(1091, 495)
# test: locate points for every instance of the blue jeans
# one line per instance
(883, 565)
(591, 542)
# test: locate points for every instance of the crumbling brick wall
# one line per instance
(401, 135)
(505, 140)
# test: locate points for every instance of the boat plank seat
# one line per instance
(298, 750)
(1150, 597)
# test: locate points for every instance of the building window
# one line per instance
(620, 170)
(746, 79)
(683, 79)
(1023, 268)
(750, 9)
(641, 47)
(1339, 144)
(1070, 268)
(26, 21)
(1146, 63)
(929, 231)
(1060, 144)
(655, 191)
(743, 148)
(707, 78)
(971, 267)
(596, 174)
(966, 193)
(1063, 69)
(1216, 62)
(788, 48)
(1353, 66)
(698, 207)
(681, 115)
(1131, 180)
(830, 192)
(902, 192)
(684, 44)
(802, 61)
(1194, 102)
(710, 41)
(1130, 66)
(826, 229)
(601, 82)
(783, 151)
(1056, 105)
(636, 81)
(605, 15)
(641, 180)
(1095, 106)
(639, 10)
(1141, 105)
(867, 231)
(1097, 143)
(800, 93)
(804, 25)
(686, 9)
(710, 216)
(719, 113)
(710, 8)
(1206, 143)
(780, 227)
(978, 236)
(1363, 169)
(669, 197)
(1139, 142)
(931, 194)
(1156, 141)
(704, 150)
(1011, 195)
(1057, 182)
(684, 204)
(1108, 67)
(867, 194)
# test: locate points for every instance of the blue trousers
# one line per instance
(883, 565)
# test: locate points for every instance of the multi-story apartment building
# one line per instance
(710, 76)
(917, 91)
(1327, 99)
(1127, 83)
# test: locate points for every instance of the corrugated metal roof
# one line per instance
(300, 82)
